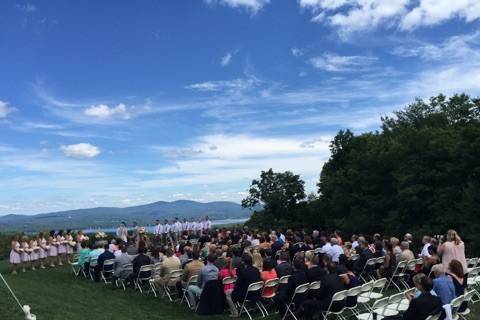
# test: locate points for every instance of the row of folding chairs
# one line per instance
(400, 274)
(472, 263)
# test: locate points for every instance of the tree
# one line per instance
(278, 193)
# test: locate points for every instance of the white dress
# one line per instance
(42, 253)
(25, 253)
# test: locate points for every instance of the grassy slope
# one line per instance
(56, 294)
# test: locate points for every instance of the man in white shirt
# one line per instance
(165, 231)
(198, 227)
(184, 225)
(157, 230)
(208, 223)
(191, 227)
(326, 248)
(335, 250)
(176, 230)
(426, 245)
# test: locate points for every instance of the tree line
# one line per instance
(419, 173)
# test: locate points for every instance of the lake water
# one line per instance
(150, 228)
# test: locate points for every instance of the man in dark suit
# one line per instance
(297, 278)
(331, 284)
(365, 254)
(425, 304)
(141, 260)
(246, 275)
(316, 272)
(106, 255)
(283, 267)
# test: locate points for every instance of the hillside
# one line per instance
(110, 216)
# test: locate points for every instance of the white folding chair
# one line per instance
(191, 281)
(76, 267)
(353, 293)
(379, 285)
(301, 289)
(337, 297)
(271, 286)
(405, 302)
(455, 304)
(144, 276)
(107, 269)
(467, 297)
(127, 269)
(434, 317)
(394, 302)
(253, 293)
(157, 270)
(378, 307)
(354, 257)
(363, 298)
(170, 281)
(398, 274)
(284, 279)
(367, 269)
(229, 280)
(91, 268)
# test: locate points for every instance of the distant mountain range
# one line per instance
(111, 216)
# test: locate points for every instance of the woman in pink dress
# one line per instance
(34, 253)
(15, 258)
(453, 249)
(53, 248)
(25, 255)
(70, 244)
(43, 250)
(62, 247)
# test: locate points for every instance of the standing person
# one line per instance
(122, 232)
(453, 249)
(136, 232)
(33, 244)
(62, 249)
(185, 226)
(70, 245)
(80, 238)
(165, 232)
(43, 251)
(25, 256)
(191, 227)
(177, 230)
(15, 257)
(157, 231)
(207, 223)
(52, 248)
(198, 227)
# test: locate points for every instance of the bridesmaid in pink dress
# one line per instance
(34, 253)
(25, 255)
(70, 244)
(53, 251)
(15, 258)
(42, 252)
(62, 247)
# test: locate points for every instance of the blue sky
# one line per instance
(117, 103)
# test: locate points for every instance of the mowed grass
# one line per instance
(56, 294)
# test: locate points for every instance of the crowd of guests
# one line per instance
(216, 254)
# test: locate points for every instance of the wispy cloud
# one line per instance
(252, 6)
(80, 150)
(226, 59)
(5, 109)
(335, 63)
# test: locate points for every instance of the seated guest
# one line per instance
(106, 255)
(342, 264)
(83, 254)
(192, 268)
(132, 248)
(431, 260)
(406, 254)
(207, 273)
(364, 255)
(459, 282)
(121, 260)
(297, 278)
(140, 260)
(94, 254)
(268, 273)
(170, 262)
(228, 271)
(331, 284)
(350, 280)
(246, 275)
(443, 284)
(335, 250)
(426, 304)
(389, 264)
(315, 272)
(283, 267)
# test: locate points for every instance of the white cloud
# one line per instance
(103, 111)
(226, 59)
(221, 85)
(297, 52)
(80, 150)
(252, 6)
(334, 62)
(27, 8)
(5, 109)
(432, 12)
(349, 16)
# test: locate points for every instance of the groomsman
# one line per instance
(191, 227)
(207, 224)
(157, 231)
(176, 230)
(165, 231)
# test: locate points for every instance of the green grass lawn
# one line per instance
(56, 294)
